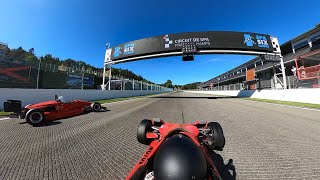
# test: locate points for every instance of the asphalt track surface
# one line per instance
(265, 141)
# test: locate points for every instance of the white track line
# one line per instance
(310, 109)
(1, 119)
(121, 101)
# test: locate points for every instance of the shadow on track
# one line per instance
(226, 171)
(51, 123)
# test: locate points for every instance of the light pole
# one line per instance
(38, 76)
(82, 77)
(283, 71)
(110, 77)
(107, 59)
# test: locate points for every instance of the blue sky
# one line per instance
(80, 29)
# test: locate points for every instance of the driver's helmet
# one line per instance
(179, 158)
(61, 99)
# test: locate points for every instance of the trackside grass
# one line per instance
(2, 113)
(289, 103)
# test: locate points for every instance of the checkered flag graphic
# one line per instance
(168, 41)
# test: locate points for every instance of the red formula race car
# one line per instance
(180, 151)
(39, 113)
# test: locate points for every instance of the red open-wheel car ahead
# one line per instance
(178, 151)
(39, 113)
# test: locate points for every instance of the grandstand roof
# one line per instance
(304, 35)
(287, 53)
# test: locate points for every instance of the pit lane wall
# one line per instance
(31, 96)
(295, 95)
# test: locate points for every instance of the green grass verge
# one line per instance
(2, 113)
(290, 103)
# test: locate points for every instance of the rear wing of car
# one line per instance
(12, 106)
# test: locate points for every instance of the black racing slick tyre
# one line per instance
(35, 117)
(22, 115)
(96, 107)
(143, 128)
(216, 138)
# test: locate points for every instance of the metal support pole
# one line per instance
(132, 84)
(121, 84)
(38, 76)
(104, 77)
(107, 58)
(110, 77)
(318, 74)
(82, 80)
(283, 73)
(141, 85)
(29, 73)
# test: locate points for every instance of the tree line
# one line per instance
(22, 56)
(190, 86)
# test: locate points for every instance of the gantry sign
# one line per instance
(193, 43)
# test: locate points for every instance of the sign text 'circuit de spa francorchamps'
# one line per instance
(193, 43)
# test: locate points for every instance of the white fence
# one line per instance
(295, 95)
(31, 96)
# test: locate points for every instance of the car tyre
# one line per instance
(96, 107)
(22, 115)
(216, 138)
(142, 130)
(35, 117)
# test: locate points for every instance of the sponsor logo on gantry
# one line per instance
(262, 41)
(128, 48)
(117, 51)
(167, 41)
(248, 40)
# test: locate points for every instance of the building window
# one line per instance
(300, 45)
(315, 37)
(258, 63)
(251, 66)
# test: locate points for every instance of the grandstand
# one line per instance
(301, 52)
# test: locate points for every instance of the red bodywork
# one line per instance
(54, 110)
(167, 130)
